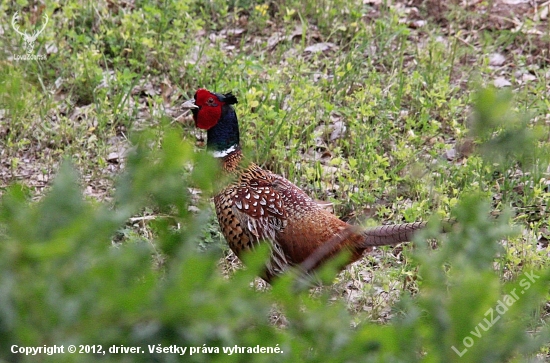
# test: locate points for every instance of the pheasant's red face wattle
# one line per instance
(210, 109)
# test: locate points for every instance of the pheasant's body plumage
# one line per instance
(260, 206)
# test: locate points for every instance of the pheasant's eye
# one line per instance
(210, 101)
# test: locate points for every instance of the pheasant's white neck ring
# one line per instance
(224, 153)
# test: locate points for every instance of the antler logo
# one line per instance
(28, 38)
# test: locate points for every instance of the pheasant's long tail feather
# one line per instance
(391, 234)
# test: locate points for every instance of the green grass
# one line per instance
(405, 94)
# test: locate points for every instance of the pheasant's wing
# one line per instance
(265, 201)
(260, 209)
(292, 196)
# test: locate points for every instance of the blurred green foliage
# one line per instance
(502, 133)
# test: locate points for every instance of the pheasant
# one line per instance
(259, 206)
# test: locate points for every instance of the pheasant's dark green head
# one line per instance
(213, 112)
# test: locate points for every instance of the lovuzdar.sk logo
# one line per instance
(28, 38)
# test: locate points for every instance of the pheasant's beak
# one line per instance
(189, 104)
